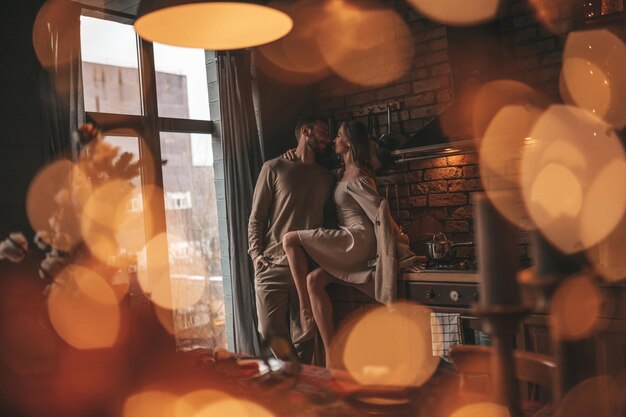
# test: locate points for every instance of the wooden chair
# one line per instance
(473, 363)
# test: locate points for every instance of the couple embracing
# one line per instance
(297, 250)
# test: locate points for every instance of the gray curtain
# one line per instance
(60, 82)
(242, 164)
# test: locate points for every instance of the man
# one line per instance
(289, 195)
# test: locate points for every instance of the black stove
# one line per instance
(456, 264)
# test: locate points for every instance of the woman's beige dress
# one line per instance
(345, 252)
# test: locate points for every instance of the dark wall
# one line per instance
(21, 150)
(280, 106)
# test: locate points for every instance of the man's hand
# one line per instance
(290, 154)
(260, 261)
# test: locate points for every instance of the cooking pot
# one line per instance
(441, 247)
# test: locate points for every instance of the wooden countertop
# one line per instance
(441, 276)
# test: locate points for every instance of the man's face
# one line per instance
(317, 138)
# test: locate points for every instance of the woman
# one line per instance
(342, 254)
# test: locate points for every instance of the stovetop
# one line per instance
(457, 264)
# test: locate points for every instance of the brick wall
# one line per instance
(537, 48)
(443, 186)
(425, 91)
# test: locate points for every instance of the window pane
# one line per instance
(182, 89)
(193, 239)
(132, 237)
(110, 66)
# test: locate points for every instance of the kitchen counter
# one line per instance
(441, 276)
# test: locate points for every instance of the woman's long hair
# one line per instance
(359, 140)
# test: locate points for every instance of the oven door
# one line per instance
(449, 297)
(441, 294)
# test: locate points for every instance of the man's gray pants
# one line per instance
(278, 308)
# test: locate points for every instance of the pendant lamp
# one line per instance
(212, 25)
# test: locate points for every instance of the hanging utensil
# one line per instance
(389, 142)
(397, 202)
(402, 228)
(372, 130)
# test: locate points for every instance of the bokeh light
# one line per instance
(399, 350)
(56, 38)
(575, 308)
(103, 213)
(365, 43)
(482, 410)
(500, 156)
(598, 396)
(296, 58)
(83, 309)
(233, 407)
(606, 182)
(493, 96)
(111, 228)
(50, 204)
(192, 403)
(572, 166)
(504, 113)
(549, 15)
(593, 76)
(584, 84)
(608, 255)
(150, 404)
(558, 191)
(457, 12)
(166, 290)
(158, 268)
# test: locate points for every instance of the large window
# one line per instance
(152, 101)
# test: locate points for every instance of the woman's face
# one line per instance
(341, 142)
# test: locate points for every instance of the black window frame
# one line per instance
(147, 126)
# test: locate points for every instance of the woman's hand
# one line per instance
(290, 154)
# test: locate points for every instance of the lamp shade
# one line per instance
(213, 25)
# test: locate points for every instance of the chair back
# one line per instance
(529, 367)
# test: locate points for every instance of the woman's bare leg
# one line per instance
(322, 307)
(299, 266)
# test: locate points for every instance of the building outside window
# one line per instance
(178, 200)
(115, 67)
